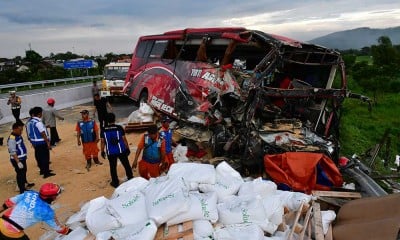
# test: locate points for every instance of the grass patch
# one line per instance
(367, 59)
(361, 129)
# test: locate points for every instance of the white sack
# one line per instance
(128, 208)
(293, 200)
(145, 230)
(145, 109)
(180, 153)
(239, 232)
(166, 197)
(193, 172)
(134, 184)
(203, 206)
(228, 182)
(203, 229)
(274, 211)
(79, 216)
(242, 209)
(98, 219)
(327, 218)
(258, 186)
(146, 118)
(134, 117)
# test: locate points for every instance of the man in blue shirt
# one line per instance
(39, 138)
(29, 208)
(18, 155)
(113, 140)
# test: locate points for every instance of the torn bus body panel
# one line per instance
(244, 86)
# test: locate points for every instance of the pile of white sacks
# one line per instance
(220, 202)
(143, 114)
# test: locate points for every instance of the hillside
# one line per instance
(357, 38)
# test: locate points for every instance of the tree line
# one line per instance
(51, 67)
(380, 73)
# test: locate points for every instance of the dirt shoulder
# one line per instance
(68, 163)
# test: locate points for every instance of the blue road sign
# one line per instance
(78, 64)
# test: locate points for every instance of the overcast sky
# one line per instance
(97, 27)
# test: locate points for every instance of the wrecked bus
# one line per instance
(244, 93)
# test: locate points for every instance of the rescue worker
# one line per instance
(153, 147)
(39, 139)
(166, 134)
(18, 155)
(27, 209)
(49, 120)
(15, 102)
(101, 105)
(88, 135)
(113, 139)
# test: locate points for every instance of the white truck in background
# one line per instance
(113, 79)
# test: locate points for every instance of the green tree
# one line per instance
(349, 61)
(33, 57)
(384, 54)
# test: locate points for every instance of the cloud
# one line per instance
(104, 26)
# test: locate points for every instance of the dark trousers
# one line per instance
(123, 158)
(102, 120)
(16, 113)
(21, 175)
(42, 156)
(54, 136)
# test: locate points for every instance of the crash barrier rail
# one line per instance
(43, 83)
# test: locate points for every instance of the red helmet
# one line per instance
(51, 101)
(49, 191)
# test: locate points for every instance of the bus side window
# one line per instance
(158, 49)
(143, 49)
(170, 51)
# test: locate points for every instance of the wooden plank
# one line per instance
(319, 232)
(329, 234)
(336, 194)
(305, 223)
(138, 126)
(337, 202)
(296, 221)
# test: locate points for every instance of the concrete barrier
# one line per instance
(64, 98)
